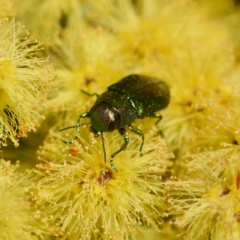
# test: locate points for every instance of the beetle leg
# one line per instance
(156, 116)
(104, 150)
(140, 133)
(122, 132)
(90, 94)
(83, 115)
(71, 141)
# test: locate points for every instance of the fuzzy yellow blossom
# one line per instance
(18, 219)
(228, 116)
(88, 59)
(48, 19)
(6, 8)
(195, 60)
(24, 82)
(189, 44)
(88, 200)
(167, 233)
(206, 203)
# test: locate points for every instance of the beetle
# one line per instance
(133, 97)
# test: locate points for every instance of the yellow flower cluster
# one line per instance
(206, 203)
(19, 219)
(86, 199)
(24, 81)
(187, 182)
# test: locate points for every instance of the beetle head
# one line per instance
(104, 118)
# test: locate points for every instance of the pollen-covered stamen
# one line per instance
(23, 131)
(73, 151)
(104, 177)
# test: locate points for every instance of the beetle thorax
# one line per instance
(104, 118)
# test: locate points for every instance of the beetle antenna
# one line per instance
(104, 150)
(75, 126)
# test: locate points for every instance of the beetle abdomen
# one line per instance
(146, 94)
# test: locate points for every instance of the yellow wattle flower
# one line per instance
(6, 8)
(19, 220)
(206, 202)
(84, 196)
(24, 81)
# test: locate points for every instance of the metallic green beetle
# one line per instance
(134, 96)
